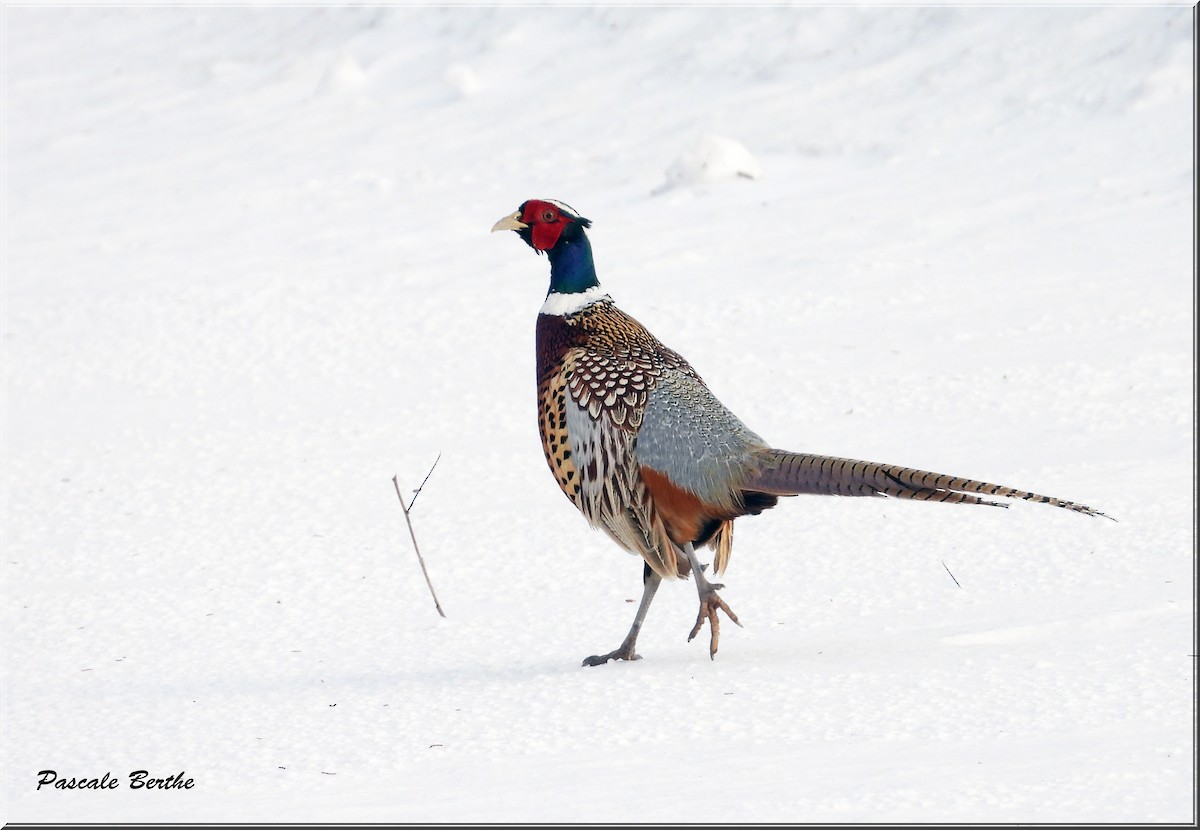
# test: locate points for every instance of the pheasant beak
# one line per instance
(511, 222)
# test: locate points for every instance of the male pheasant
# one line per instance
(649, 455)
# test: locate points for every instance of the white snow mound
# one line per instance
(344, 75)
(463, 80)
(712, 158)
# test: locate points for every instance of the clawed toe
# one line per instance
(709, 604)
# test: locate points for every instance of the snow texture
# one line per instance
(712, 158)
(250, 278)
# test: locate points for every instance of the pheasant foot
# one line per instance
(710, 603)
(650, 583)
(625, 652)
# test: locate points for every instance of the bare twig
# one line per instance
(417, 492)
(951, 575)
(413, 535)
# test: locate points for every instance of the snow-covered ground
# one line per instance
(249, 279)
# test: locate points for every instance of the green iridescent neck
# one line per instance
(571, 268)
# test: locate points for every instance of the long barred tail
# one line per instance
(784, 473)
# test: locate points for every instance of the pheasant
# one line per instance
(648, 454)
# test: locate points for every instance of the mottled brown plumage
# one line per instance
(603, 363)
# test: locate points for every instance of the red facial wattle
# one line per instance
(546, 223)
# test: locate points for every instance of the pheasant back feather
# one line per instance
(790, 474)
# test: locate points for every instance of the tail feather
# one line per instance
(784, 473)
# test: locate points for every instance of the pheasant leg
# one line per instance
(710, 603)
(650, 583)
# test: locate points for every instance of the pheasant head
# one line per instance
(557, 230)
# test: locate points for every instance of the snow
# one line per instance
(712, 158)
(249, 279)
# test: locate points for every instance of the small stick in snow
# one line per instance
(413, 535)
(417, 492)
(951, 575)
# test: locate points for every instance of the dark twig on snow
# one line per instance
(417, 492)
(951, 575)
(413, 536)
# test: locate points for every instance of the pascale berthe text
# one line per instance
(139, 779)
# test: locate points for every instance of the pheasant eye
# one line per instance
(549, 215)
